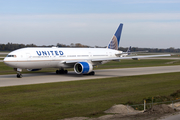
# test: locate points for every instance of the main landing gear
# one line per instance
(91, 73)
(61, 71)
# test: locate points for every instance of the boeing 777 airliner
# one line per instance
(81, 59)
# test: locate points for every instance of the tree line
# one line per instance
(15, 46)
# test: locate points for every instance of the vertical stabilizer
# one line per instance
(114, 43)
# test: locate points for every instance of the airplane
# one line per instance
(81, 59)
(128, 52)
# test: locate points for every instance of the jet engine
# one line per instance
(83, 68)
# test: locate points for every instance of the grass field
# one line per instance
(4, 69)
(81, 98)
(84, 98)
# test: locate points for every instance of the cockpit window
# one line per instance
(11, 56)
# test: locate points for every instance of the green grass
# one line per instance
(81, 98)
(3, 55)
(4, 69)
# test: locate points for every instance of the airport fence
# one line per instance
(175, 104)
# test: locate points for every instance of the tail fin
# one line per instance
(114, 43)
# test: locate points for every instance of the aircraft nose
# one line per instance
(5, 61)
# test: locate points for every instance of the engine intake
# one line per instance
(83, 67)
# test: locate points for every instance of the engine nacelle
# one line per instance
(33, 69)
(83, 67)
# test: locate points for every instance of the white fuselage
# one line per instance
(34, 58)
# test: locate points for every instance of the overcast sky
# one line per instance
(147, 23)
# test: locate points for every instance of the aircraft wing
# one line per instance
(131, 52)
(131, 57)
(115, 58)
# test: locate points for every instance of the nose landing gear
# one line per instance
(19, 75)
(19, 70)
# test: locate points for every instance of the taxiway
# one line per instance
(36, 78)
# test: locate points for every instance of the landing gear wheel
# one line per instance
(65, 71)
(62, 71)
(57, 71)
(92, 73)
(19, 75)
